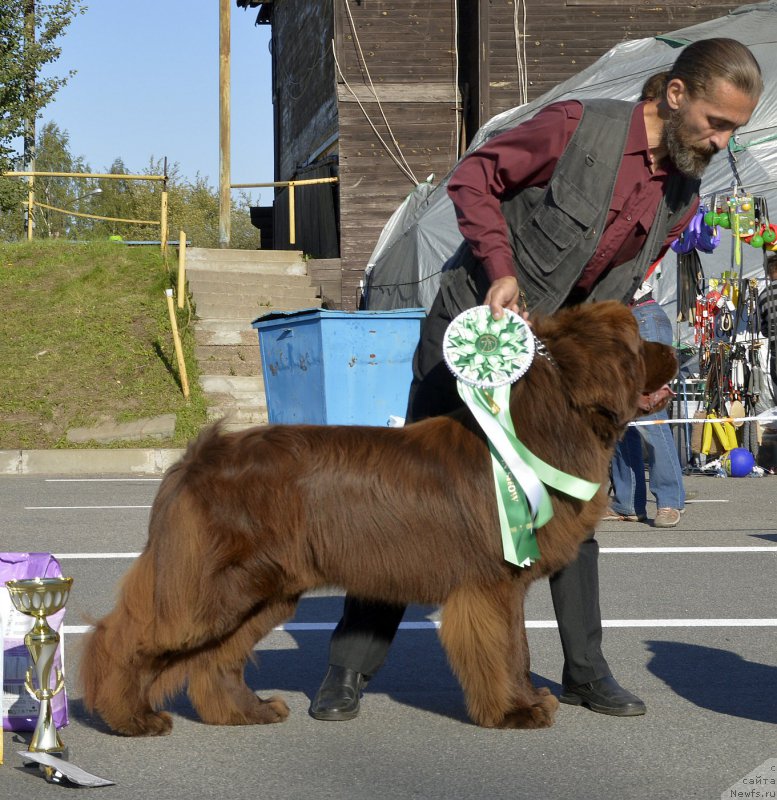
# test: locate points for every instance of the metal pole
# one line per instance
(177, 344)
(29, 122)
(163, 222)
(102, 175)
(224, 127)
(292, 215)
(30, 206)
(163, 215)
(181, 267)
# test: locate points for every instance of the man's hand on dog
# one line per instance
(503, 293)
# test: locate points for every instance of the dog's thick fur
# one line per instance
(246, 522)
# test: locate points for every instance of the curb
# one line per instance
(139, 461)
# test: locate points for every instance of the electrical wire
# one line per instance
(408, 173)
(457, 101)
(407, 170)
(520, 52)
(289, 81)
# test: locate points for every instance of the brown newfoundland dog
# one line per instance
(247, 522)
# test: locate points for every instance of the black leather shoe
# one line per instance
(605, 696)
(338, 698)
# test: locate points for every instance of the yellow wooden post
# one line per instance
(30, 206)
(292, 216)
(177, 343)
(163, 222)
(181, 267)
(225, 133)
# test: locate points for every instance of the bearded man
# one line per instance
(571, 206)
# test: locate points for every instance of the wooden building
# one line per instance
(383, 93)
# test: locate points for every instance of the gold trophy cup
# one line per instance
(40, 598)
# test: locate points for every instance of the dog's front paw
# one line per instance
(539, 715)
(150, 724)
(275, 709)
(257, 712)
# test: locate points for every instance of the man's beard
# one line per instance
(690, 160)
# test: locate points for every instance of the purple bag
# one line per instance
(697, 235)
(19, 709)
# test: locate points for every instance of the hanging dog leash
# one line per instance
(486, 356)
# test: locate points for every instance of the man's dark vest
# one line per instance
(554, 230)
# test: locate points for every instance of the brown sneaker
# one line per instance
(666, 518)
(614, 516)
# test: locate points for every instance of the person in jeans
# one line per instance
(629, 500)
(767, 312)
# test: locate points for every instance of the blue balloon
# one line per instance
(738, 462)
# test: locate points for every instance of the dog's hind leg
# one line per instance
(216, 685)
(483, 634)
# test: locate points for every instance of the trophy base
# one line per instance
(50, 773)
(56, 768)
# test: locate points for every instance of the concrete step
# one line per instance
(230, 289)
(237, 396)
(216, 254)
(234, 427)
(261, 295)
(269, 262)
(245, 353)
(241, 416)
(211, 280)
(225, 332)
(224, 309)
(237, 367)
(241, 387)
(227, 404)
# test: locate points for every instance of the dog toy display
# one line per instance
(724, 314)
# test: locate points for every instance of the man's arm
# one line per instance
(521, 157)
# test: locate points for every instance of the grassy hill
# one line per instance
(85, 338)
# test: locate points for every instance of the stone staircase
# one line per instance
(230, 289)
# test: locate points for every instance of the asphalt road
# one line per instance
(690, 617)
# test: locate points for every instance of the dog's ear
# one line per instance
(660, 365)
(600, 356)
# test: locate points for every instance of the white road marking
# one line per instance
(77, 508)
(615, 550)
(648, 550)
(536, 624)
(104, 480)
(62, 556)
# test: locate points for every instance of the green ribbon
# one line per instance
(487, 355)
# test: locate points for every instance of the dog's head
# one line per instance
(608, 371)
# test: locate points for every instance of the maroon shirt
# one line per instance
(526, 156)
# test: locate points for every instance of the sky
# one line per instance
(146, 86)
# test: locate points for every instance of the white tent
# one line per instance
(422, 235)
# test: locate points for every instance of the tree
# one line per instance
(53, 155)
(193, 206)
(23, 93)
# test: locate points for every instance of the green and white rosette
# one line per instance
(486, 356)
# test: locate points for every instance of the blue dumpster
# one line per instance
(337, 367)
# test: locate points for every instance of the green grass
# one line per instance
(85, 337)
